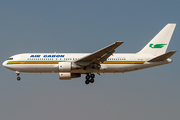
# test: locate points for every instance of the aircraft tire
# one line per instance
(87, 82)
(92, 76)
(18, 78)
(92, 80)
(87, 77)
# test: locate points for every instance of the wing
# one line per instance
(162, 57)
(98, 56)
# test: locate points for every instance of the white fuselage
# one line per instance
(72, 65)
(49, 62)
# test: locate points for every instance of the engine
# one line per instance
(68, 75)
(65, 69)
(67, 66)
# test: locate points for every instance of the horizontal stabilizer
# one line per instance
(162, 57)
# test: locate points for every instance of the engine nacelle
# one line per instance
(68, 76)
(67, 66)
(64, 66)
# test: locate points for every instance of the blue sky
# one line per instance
(85, 26)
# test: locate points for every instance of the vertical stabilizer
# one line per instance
(158, 45)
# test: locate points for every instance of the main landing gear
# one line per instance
(17, 74)
(89, 78)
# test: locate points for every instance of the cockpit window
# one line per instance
(10, 59)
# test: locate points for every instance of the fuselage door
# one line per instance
(22, 60)
(132, 59)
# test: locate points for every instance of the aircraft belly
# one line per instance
(114, 67)
(105, 68)
(36, 67)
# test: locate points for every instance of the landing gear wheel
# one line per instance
(92, 76)
(92, 80)
(87, 82)
(87, 77)
(18, 73)
(18, 78)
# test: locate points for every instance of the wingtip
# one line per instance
(174, 51)
(119, 42)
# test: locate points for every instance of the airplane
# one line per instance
(72, 65)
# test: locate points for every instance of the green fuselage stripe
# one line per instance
(53, 61)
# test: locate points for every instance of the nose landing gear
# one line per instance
(17, 74)
(89, 78)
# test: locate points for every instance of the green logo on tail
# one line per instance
(157, 45)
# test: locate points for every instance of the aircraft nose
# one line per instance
(4, 63)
